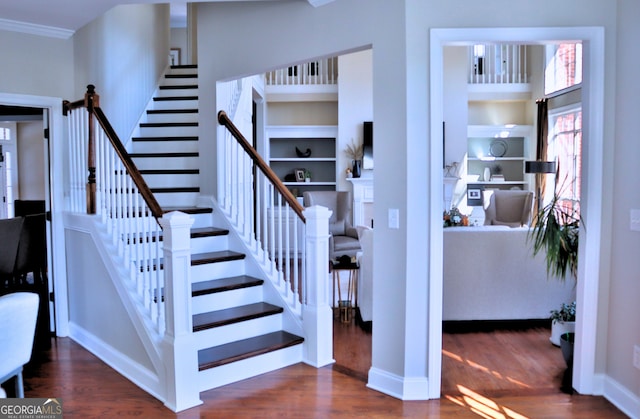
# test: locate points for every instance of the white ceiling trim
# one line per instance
(35, 29)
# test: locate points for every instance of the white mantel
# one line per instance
(362, 198)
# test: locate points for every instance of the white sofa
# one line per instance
(490, 274)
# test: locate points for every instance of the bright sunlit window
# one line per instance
(565, 147)
(563, 67)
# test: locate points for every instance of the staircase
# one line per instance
(238, 324)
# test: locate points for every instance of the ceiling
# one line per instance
(71, 15)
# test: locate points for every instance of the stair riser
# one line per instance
(180, 81)
(238, 331)
(167, 131)
(182, 71)
(165, 146)
(209, 244)
(172, 117)
(175, 104)
(226, 299)
(201, 220)
(176, 92)
(230, 373)
(151, 163)
(168, 181)
(177, 199)
(217, 270)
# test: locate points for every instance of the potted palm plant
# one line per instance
(555, 231)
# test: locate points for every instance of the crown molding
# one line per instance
(35, 29)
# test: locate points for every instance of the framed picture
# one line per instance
(174, 56)
(474, 194)
(299, 175)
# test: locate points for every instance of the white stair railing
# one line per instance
(124, 203)
(321, 71)
(497, 64)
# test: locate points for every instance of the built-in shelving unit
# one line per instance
(502, 150)
(282, 142)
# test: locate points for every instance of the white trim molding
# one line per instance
(35, 29)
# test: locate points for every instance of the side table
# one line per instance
(345, 307)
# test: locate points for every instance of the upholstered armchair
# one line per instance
(18, 316)
(509, 208)
(344, 237)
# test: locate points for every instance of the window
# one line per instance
(563, 67)
(565, 147)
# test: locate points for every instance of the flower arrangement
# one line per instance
(454, 217)
(354, 150)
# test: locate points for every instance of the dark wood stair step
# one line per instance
(225, 284)
(215, 257)
(246, 348)
(178, 189)
(178, 87)
(181, 76)
(169, 171)
(170, 111)
(172, 98)
(164, 155)
(188, 210)
(208, 232)
(178, 138)
(184, 66)
(204, 321)
(167, 124)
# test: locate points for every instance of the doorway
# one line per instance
(51, 169)
(593, 39)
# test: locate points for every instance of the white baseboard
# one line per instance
(402, 388)
(621, 397)
(134, 372)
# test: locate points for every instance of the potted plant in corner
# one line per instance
(555, 231)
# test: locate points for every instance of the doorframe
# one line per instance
(54, 191)
(585, 378)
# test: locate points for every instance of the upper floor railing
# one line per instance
(498, 64)
(319, 72)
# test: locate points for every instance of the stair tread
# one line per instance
(179, 66)
(213, 257)
(181, 76)
(169, 171)
(176, 189)
(246, 348)
(167, 154)
(170, 111)
(188, 210)
(171, 98)
(178, 86)
(213, 286)
(165, 138)
(208, 232)
(167, 124)
(232, 315)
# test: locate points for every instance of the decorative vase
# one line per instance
(487, 174)
(357, 168)
(559, 328)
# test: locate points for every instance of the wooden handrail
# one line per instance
(91, 102)
(224, 120)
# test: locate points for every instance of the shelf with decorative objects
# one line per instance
(303, 156)
(496, 156)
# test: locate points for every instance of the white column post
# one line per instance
(179, 354)
(317, 315)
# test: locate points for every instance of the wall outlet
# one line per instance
(636, 356)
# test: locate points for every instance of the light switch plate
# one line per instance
(635, 220)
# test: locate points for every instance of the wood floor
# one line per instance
(510, 374)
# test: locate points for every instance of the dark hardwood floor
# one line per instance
(509, 374)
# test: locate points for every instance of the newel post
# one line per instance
(91, 100)
(179, 354)
(317, 315)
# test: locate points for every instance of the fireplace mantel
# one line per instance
(362, 200)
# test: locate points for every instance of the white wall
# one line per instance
(123, 53)
(31, 176)
(36, 65)
(355, 105)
